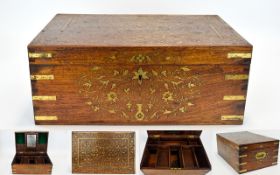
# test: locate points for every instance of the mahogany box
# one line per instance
(139, 69)
(103, 152)
(174, 152)
(31, 153)
(246, 151)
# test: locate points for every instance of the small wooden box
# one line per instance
(103, 152)
(139, 69)
(246, 151)
(31, 153)
(174, 152)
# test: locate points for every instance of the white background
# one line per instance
(20, 20)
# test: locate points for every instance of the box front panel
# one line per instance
(190, 94)
(31, 169)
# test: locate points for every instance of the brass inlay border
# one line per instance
(232, 117)
(42, 77)
(236, 77)
(45, 118)
(243, 171)
(40, 55)
(274, 163)
(44, 98)
(243, 156)
(234, 97)
(239, 55)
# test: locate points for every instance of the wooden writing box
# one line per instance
(31, 153)
(174, 152)
(139, 69)
(103, 152)
(246, 151)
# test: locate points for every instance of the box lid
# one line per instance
(196, 39)
(245, 138)
(174, 134)
(103, 152)
(31, 142)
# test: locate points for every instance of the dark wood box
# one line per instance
(246, 151)
(31, 153)
(139, 69)
(174, 152)
(103, 152)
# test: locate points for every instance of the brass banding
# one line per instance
(44, 98)
(234, 97)
(232, 117)
(236, 77)
(42, 77)
(46, 118)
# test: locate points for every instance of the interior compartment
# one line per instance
(178, 152)
(150, 157)
(175, 157)
(163, 158)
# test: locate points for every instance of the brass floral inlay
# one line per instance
(167, 96)
(159, 91)
(140, 75)
(112, 96)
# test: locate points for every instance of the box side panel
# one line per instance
(228, 152)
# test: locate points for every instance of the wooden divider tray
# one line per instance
(171, 152)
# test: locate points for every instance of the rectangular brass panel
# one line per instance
(234, 97)
(45, 118)
(232, 117)
(236, 77)
(44, 98)
(40, 55)
(42, 77)
(240, 55)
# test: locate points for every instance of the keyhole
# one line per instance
(140, 77)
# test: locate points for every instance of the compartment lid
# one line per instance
(174, 134)
(196, 39)
(31, 142)
(246, 138)
(103, 152)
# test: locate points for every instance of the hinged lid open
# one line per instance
(31, 142)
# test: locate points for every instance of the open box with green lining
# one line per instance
(31, 153)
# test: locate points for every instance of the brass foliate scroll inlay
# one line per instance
(234, 97)
(44, 98)
(42, 77)
(140, 93)
(45, 118)
(260, 155)
(236, 77)
(232, 117)
(40, 55)
(240, 55)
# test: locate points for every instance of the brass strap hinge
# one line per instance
(243, 171)
(45, 118)
(44, 98)
(236, 77)
(232, 117)
(42, 77)
(40, 55)
(234, 97)
(239, 55)
(243, 156)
